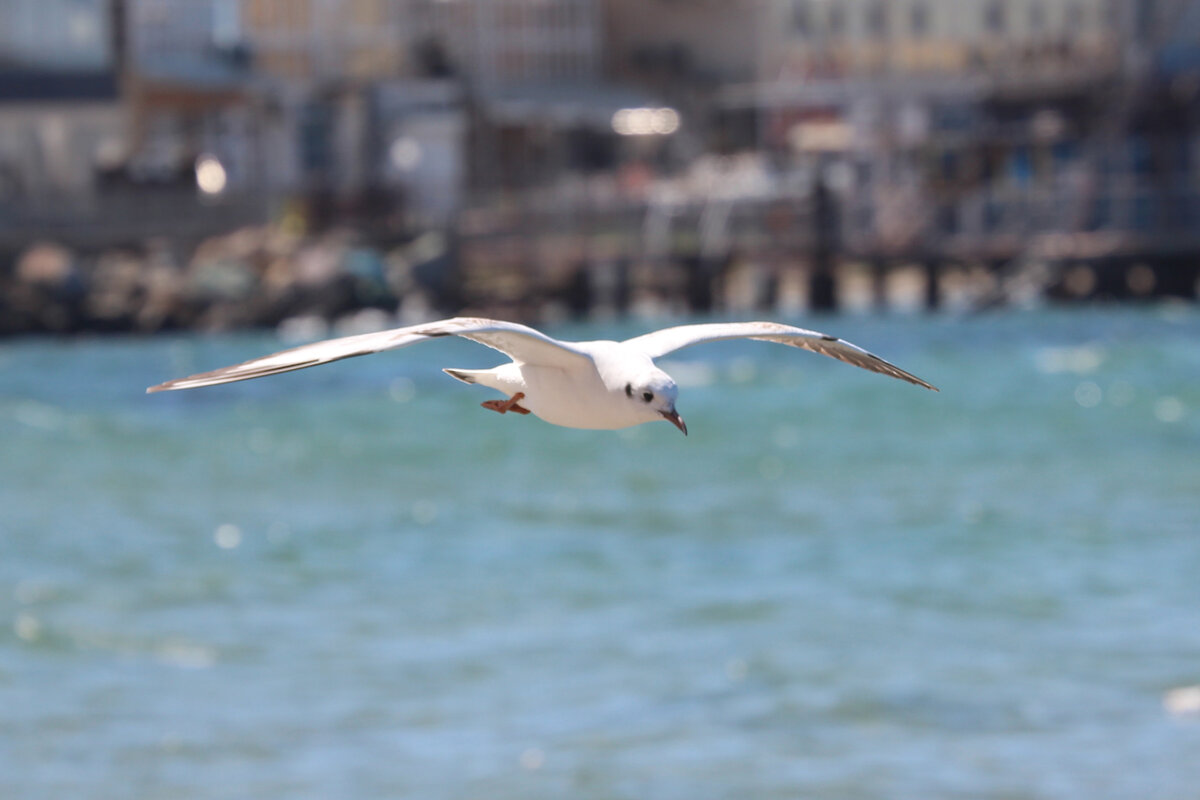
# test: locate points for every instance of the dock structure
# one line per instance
(1130, 241)
(1074, 181)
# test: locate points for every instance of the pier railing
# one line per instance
(108, 219)
(994, 221)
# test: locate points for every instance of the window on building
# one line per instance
(1114, 13)
(837, 19)
(316, 139)
(802, 18)
(994, 20)
(1074, 18)
(1037, 18)
(919, 19)
(877, 18)
(55, 35)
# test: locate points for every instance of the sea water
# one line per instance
(353, 582)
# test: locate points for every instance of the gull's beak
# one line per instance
(673, 417)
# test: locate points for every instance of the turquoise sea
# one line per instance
(352, 582)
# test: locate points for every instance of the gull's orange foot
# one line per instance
(504, 406)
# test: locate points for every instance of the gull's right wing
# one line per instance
(668, 340)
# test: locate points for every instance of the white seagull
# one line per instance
(600, 385)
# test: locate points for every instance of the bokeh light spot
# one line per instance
(227, 536)
(210, 175)
(1169, 409)
(1088, 394)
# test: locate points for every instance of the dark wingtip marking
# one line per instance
(827, 338)
(436, 334)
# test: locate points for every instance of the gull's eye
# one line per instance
(629, 390)
(647, 396)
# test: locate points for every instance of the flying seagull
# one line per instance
(598, 385)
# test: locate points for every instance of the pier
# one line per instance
(814, 250)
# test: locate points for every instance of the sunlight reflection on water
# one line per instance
(356, 583)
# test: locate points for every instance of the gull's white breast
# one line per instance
(574, 398)
(585, 396)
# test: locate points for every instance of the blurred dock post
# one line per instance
(822, 282)
(933, 289)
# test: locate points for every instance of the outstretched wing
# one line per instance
(668, 340)
(519, 342)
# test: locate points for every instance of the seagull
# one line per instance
(600, 385)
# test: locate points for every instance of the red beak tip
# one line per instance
(676, 420)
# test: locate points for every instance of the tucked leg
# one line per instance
(504, 406)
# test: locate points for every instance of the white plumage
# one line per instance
(598, 384)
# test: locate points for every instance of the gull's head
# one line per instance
(652, 393)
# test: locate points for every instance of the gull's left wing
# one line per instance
(668, 340)
(519, 342)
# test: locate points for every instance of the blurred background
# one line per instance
(353, 582)
(221, 163)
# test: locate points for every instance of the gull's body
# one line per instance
(584, 397)
(599, 385)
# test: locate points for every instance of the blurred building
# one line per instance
(832, 38)
(354, 104)
(277, 99)
(888, 65)
(540, 97)
(508, 42)
(346, 98)
(932, 120)
(59, 105)
(962, 120)
(189, 92)
(672, 43)
(685, 53)
(316, 42)
(733, 65)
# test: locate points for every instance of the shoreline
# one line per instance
(264, 278)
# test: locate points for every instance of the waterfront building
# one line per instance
(59, 106)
